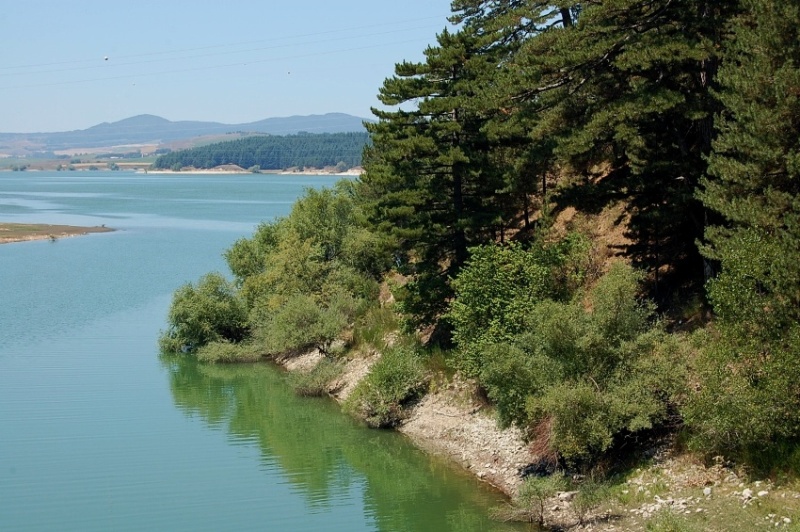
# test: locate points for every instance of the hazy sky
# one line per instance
(228, 61)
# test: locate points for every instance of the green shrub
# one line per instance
(299, 324)
(590, 370)
(344, 280)
(529, 504)
(367, 251)
(226, 352)
(315, 383)
(375, 326)
(618, 314)
(500, 285)
(208, 312)
(324, 217)
(493, 294)
(394, 380)
(246, 256)
(747, 403)
(510, 376)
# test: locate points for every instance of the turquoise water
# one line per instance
(97, 432)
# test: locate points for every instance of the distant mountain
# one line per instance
(150, 129)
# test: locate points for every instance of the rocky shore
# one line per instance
(674, 492)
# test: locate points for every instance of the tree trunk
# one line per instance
(566, 17)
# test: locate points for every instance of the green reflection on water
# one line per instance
(324, 453)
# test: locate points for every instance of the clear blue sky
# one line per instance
(230, 61)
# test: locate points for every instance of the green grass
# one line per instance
(315, 383)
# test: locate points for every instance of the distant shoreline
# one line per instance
(14, 232)
(351, 172)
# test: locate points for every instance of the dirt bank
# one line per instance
(450, 422)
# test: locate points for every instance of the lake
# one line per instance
(98, 432)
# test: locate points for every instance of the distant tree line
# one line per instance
(273, 152)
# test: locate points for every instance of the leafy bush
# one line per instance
(529, 504)
(299, 324)
(510, 376)
(315, 382)
(394, 380)
(501, 284)
(208, 312)
(367, 251)
(748, 400)
(589, 370)
(324, 217)
(226, 352)
(246, 256)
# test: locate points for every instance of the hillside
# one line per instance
(150, 129)
(273, 152)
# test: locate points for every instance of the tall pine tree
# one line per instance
(626, 84)
(422, 179)
(751, 397)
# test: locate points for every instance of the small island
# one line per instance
(12, 232)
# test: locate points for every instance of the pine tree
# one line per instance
(423, 175)
(751, 396)
(624, 83)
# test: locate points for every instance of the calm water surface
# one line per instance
(97, 432)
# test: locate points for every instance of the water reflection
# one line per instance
(325, 455)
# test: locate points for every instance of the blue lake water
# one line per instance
(97, 432)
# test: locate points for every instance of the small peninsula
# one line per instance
(13, 232)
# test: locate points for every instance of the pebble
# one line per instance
(707, 492)
(763, 493)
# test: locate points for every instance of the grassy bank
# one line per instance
(13, 232)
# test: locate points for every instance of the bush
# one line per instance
(510, 376)
(529, 504)
(499, 287)
(367, 251)
(494, 291)
(747, 403)
(299, 324)
(226, 352)
(315, 383)
(395, 380)
(246, 257)
(208, 312)
(587, 371)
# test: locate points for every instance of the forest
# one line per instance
(273, 152)
(495, 171)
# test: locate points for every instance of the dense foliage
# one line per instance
(273, 152)
(298, 282)
(751, 370)
(684, 115)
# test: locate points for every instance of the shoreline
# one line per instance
(21, 232)
(353, 172)
(448, 422)
(452, 423)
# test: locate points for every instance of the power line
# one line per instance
(208, 67)
(225, 45)
(200, 56)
